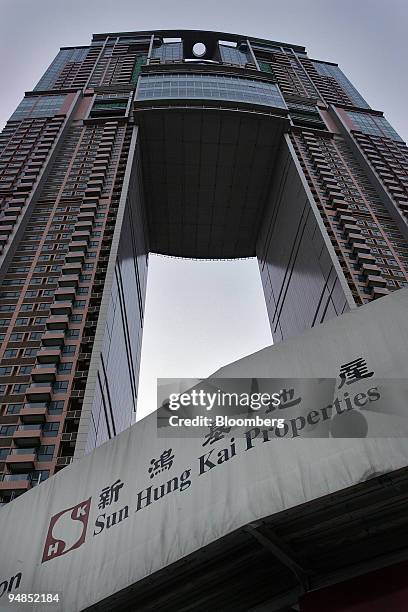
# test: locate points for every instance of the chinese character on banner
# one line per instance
(287, 400)
(110, 494)
(216, 433)
(354, 370)
(164, 462)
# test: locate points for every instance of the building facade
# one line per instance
(185, 143)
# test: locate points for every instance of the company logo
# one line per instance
(67, 530)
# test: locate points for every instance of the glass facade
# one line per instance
(232, 55)
(44, 106)
(335, 72)
(213, 87)
(374, 125)
(169, 52)
(64, 57)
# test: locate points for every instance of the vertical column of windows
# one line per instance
(119, 64)
(356, 221)
(26, 147)
(389, 159)
(75, 74)
(329, 88)
(291, 78)
(47, 339)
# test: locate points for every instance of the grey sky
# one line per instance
(201, 315)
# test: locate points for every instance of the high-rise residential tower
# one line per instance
(187, 143)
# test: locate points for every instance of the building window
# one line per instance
(69, 349)
(7, 307)
(35, 335)
(50, 430)
(25, 370)
(45, 452)
(172, 51)
(335, 73)
(55, 407)
(30, 352)
(21, 321)
(19, 388)
(60, 386)
(233, 55)
(373, 125)
(7, 430)
(37, 476)
(36, 107)
(72, 333)
(213, 87)
(14, 408)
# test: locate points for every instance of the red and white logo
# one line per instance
(67, 530)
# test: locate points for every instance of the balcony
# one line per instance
(356, 238)
(6, 434)
(57, 322)
(65, 294)
(18, 202)
(371, 269)
(86, 215)
(93, 191)
(68, 280)
(11, 211)
(48, 356)
(28, 435)
(346, 219)
(34, 413)
(81, 235)
(379, 292)
(376, 280)
(39, 392)
(54, 338)
(44, 372)
(89, 205)
(88, 209)
(13, 482)
(100, 157)
(365, 258)
(61, 308)
(360, 248)
(73, 267)
(75, 256)
(83, 226)
(9, 418)
(351, 228)
(21, 459)
(78, 245)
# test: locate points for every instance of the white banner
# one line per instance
(141, 502)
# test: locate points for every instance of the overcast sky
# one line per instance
(202, 315)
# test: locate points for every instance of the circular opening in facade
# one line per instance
(199, 49)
